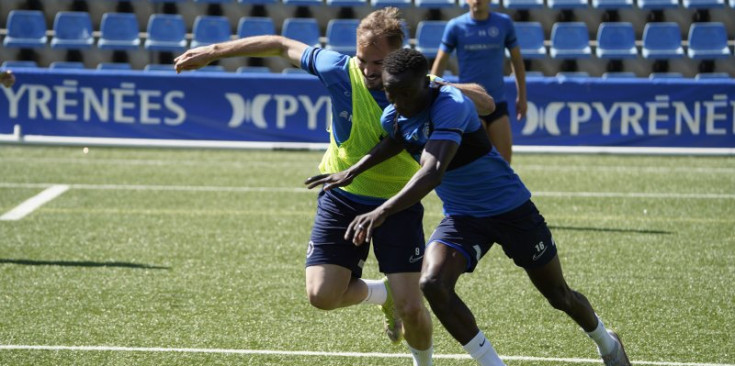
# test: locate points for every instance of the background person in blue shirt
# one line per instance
(485, 202)
(480, 38)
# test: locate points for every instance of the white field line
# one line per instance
(34, 202)
(330, 354)
(137, 187)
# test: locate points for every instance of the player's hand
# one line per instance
(521, 107)
(360, 230)
(7, 78)
(193, 59)
(329, 181)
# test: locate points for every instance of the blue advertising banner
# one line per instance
(296, 108)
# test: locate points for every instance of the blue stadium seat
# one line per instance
(522, 4)
(616, 40)
(168, 1)
(534, 74)
(166, 32)
(210, 29)
(666, 75)
(159, 67)
(708, 41)
(65, 65)
(25, 29)
(211, 68)
(72, 29)
(658, 4)
(119, 31)
(395, 3)
(342, 36)
(661, 41)
(531, 39)
(435, 4)
(612, 4)
(428, 36)
(703, 4)
(570, 40)
(294, 70)
(19, 64)
(305, 30)
(258, 2)
(213, 1)
(567, 4)
(572, 74)
(255, 26)
(618, 75)
(348, 3)
(253, 70)
(314, 3)
(114, 66)
(712, 75)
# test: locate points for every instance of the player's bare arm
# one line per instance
(440, 63)
(519, 70)
(258, 46)
(381, 152)
(484, 103)
(434, 162)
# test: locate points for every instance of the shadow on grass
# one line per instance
(608, 230)
(28, 262)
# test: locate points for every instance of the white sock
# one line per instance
(421, 358)
(376, 292)
(605, 342)
(482, 351)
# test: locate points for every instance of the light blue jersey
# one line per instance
(480, 46)
(486, 186)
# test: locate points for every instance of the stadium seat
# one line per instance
(666, 75)
(255, 26)
(616, 40)
(72, 29)
(567, 4)
(19, 64)
(658, 4)
(661, 41)
(570, 40)
(534, 74)
(530, 39)
(213, 1)
(712, 75)
(612, 4)
(314, 3)
(342, 36)
(347, 3)
(211, 68)
(522, 4)
(65, 65)
(210, 29)
(572, 74)
(708, 41)
(294, 70)
(258, 2)
(395, 3)
(429, 36)
(159, 67)
(305, 30)
(119, 31)
(703, 4)
(166, 32)
(114, 66)
(434, 4)
(618, 75)
(253, 70)
(25, 29)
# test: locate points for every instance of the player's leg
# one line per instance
(497, 126)
(415, 316)
(329, 286)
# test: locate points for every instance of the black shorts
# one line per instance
(521, 232)
(398, 243)
(501, 109)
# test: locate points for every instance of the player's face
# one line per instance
(406, 92)
(370, 61)
(479, 6)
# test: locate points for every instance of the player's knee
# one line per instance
(434, 289)
(411, 311)
(323, 300)
(561, 298)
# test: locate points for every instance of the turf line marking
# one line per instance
(34, 202)
(135, 187)
(328, 354)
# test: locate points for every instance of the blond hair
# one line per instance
(384, 23)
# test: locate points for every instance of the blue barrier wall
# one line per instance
(295, 108)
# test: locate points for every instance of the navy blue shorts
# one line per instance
(501, 109)
(398, 244)
(521, 232)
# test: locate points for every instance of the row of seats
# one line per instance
(291, 70)
(167, 32)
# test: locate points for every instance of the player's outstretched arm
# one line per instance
(258, 46)
(385, 149)
(434, 162)
(484, 103)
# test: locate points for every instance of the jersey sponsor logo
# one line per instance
(493, 31)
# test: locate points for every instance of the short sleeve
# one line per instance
(449, 38)
(511, 41)
(449, 115)
(328, 65)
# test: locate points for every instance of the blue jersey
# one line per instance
(480, 46)
(486, 186)
(332, 69)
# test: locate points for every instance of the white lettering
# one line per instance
(579, 112)
(312, 109)
(146, 106)
(662, 101)
(681, 113)
(62, 102)
(286, 105)
(631, 114)
(168, 101)
(100, 105)
(38, 98)
(605, 115)
(712, 116)
(119, 104)
(14, 99)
